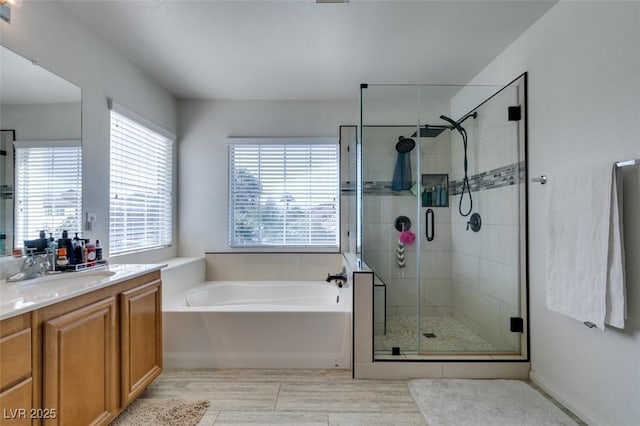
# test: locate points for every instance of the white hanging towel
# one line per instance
(585, 256)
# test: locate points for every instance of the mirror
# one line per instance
(39, 111)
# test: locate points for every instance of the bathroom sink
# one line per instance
(68, 279)
(29, 292)
(71, 277)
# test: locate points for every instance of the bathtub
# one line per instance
(258, 324)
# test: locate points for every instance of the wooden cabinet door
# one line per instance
(80, 365)
(141, 339)
(16, 405)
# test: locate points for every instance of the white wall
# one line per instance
(203, 162)
(51, 35)
(43, 121)
(584, 106)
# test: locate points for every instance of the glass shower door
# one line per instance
(472, 267)
(447, 240)
(390, 171)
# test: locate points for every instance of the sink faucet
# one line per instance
(32, 267)
(339, 278)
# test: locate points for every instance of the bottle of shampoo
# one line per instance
(443, 196)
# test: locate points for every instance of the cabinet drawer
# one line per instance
(15, 356)
(16, 404)
(13, 324)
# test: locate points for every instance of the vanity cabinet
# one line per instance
(81, 361)
(141, 339)
(15, 371)
(80, 365)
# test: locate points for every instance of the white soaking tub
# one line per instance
(259, 324)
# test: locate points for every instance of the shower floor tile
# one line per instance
(450, 336)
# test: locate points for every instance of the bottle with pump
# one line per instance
(67, 243)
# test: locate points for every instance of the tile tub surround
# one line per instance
(244, 266)
(309, 397)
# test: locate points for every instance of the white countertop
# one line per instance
(26, 296)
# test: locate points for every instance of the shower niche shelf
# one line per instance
(436, 190)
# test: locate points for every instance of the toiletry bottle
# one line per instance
(77, 250)
(52, 251)
(445, 195)
(98, 251)
(62, 257)
(42, 242)
(68, 245)
(91, 254)
(442, 196)
(83, 248)
(435, 200)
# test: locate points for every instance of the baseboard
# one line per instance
(193, 360)
(562, 398)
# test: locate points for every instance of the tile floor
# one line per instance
(294, 397)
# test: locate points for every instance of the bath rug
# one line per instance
(169, 412)
(459, 402)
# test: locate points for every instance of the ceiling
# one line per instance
(302, 50)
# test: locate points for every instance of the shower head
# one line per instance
(405, 145)
(453, 123)
(428, 131)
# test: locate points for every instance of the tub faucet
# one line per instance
(32, 267)
(339, 278)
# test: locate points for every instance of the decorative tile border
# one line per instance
(372, 188)
(496, 178)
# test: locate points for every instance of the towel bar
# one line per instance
(541, 180)
(628, 163)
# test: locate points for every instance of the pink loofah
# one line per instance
(407, 237)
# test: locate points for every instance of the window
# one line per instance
(48, 192)
(284, 193)
(140, 211)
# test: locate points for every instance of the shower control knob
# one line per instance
(474, 222)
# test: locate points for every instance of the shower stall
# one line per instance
(441, 218)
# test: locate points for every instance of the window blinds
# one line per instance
(48, 189)
(284, 193)
(140, 213)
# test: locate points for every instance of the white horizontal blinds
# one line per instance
(48, 189)
(140, 211)
(283, 194)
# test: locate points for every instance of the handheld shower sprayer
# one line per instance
(454, 124)
(465, 182)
